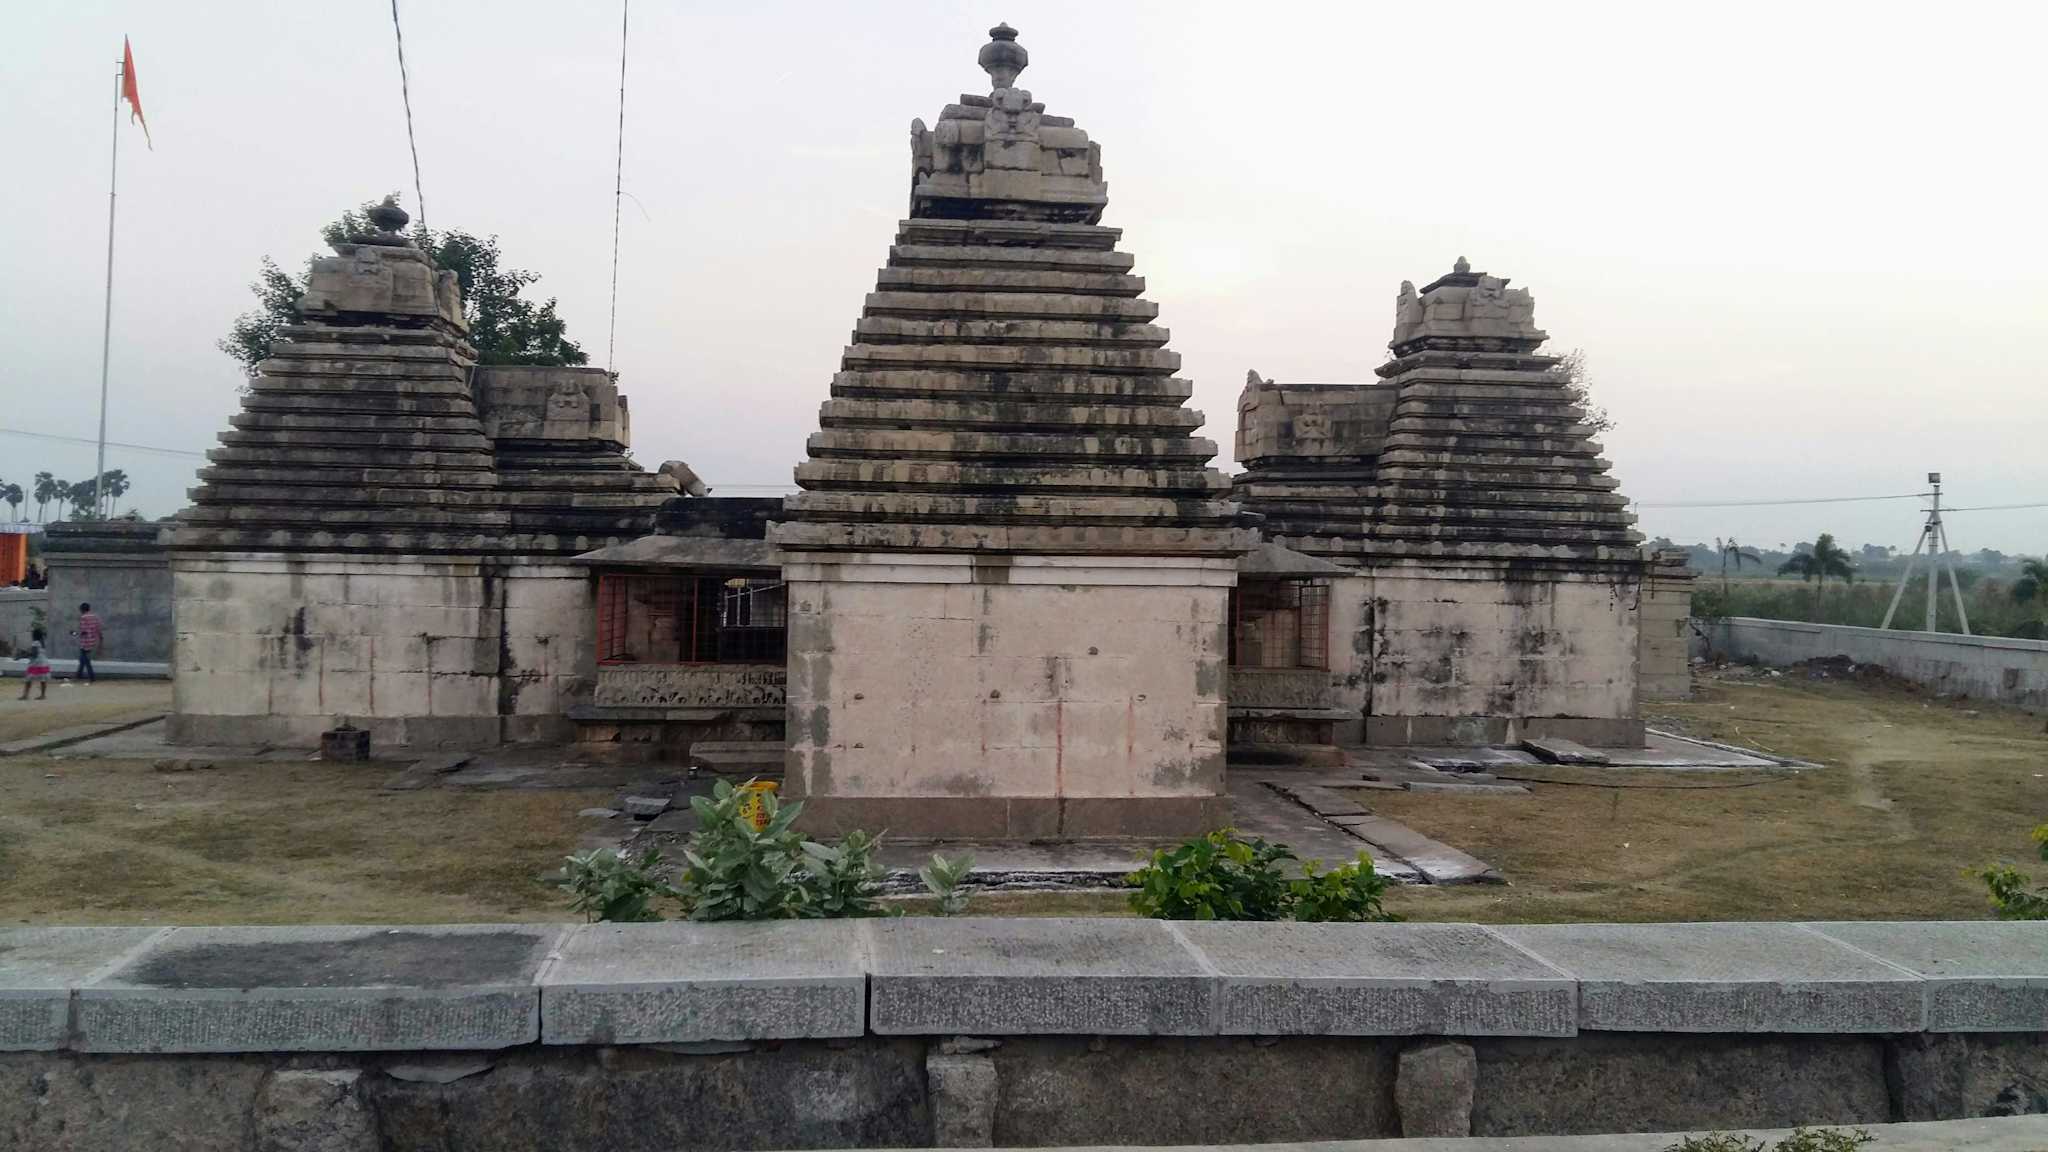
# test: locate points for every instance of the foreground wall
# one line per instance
(1995, 668)
(21, 609)
(963, 1032)
(423, 652)
(1494, 653)
(1008, 696)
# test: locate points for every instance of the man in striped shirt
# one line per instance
(88, 633)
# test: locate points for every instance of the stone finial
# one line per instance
(1002, 57)
(1462, 266)
(388, 216)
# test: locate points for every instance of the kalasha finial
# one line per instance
(1462, 266)
(1002, 57)
(388, 216)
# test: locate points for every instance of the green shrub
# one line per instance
(608, 884)
(734, 871)
(1348, 894)
(2013, 896)
(1223, 876)
(943, 879)
(842, 881)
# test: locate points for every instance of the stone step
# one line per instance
(971, 415)
(282, 373)
(993, 280)
(350, 477)
(1411, 457)
(1076, 333)
(1072, 478)
(890, 443)
(1013, 386)
(461, 424)
(1006, 509)
(738, 757)
(1557, 750)
(1030, 233)
(1007, 358)
(1422, 422)
(282, 456)
(207, 511)
(339, 438)
(1509, 532)
(1009, 257)
(1040, 305)
(1014, 538)
(356, 402)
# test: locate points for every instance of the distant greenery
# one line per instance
(45, 489)
(505, 327)
(1222, 876)
(1992, 605)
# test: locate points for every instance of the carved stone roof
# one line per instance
(1006, 389)
(363, 432)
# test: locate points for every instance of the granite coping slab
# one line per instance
(1029, 977)
(1981, 975)
(1724, 978)
(39, 968)
(1381, 980)
(680, 982)
(322, 988)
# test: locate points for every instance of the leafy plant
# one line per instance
(734, 871)
(1219, 876)
(1348, 894)
(943, 878)
(608, 884)
(1801, 1140)
(841, 881)
(2012, 895)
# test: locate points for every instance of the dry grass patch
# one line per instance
(1912, 793)
(114, 841)
(70, 705)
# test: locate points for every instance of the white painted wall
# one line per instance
(1995, 668)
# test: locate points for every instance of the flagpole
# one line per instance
(99, 475)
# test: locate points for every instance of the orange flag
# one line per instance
(129, 93)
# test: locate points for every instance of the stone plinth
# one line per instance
(1009, 563)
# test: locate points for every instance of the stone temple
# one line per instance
(1493, 577)
(1009, 568)
(1011, 599)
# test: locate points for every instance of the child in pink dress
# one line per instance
(38, 670)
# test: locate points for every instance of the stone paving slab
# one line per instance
(971, 976)
(1982, 976)
(1381, 980)
(1439, 863)
(684, 982)
(1724, 978)
(322, 988)
(1558, 750)
(38, 969)
(1259, 810)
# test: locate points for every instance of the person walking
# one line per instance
(88, 633)
(38, 667)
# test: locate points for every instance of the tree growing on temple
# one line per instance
(1571, 368)
(505, 327)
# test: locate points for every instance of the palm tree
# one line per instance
(45, 491)
(2033, 582)
(117, 484)
(12, 494)
(1730, 550)
(60, 491)
(1826, 558)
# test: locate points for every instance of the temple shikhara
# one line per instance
(1011, 600)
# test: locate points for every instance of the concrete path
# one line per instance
(67, 737)
(1997, 1134)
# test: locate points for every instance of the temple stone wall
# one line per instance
(421, 651)
(1468, 655)
(1312, 705)
(1666, 628)
(119, 568)
(1007, 696)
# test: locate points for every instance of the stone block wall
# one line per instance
(2001, 669)
(1666, 629)
(1261, 698)
(1485, 654)
(423, 652)
(962, 1032)
(1011, 695)
(18, 609)
(119, 568)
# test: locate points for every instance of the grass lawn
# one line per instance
(1913, 792)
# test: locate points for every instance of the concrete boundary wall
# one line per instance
(1995, 668)
(950, 1032)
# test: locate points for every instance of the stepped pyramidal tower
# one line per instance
(382, 535)
(1009, 564)
(1505, 575)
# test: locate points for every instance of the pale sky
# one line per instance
(1802, 245)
